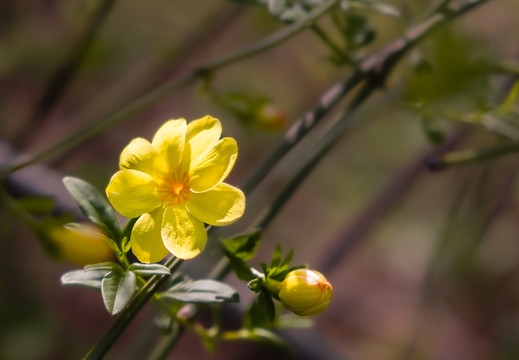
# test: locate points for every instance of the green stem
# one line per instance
(463, 157)
(331, 44)
(161, 92)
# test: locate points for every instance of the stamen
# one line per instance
(174, 189)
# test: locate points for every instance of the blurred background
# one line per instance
(424, 265)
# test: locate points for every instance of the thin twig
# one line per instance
(64, 75)
(161, 92)
(464, 157)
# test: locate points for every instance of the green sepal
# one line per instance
(91, 279)
(202, 292)
(149, 269)
(94, 205)
(117, 288)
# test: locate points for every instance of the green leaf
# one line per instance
(94, 205)
(90, 279)
(105, 266)
(244, 246)
(149, 269)
(265, 300)
(261, 312)
(202, 292)
(277, 257)
(117, 289)
(240, 267)
(286, 261)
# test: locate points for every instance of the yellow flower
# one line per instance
(82, 244)
(305, 292)
(174, 185)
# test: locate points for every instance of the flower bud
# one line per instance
(305, 292)
(270, 118)
(81, 244)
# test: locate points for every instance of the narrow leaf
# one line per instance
(149, 269)
(94, 205)
(106, 266)
(202, 291)
(117, 289)
(91, 279)
(239, 266)
(244, 246)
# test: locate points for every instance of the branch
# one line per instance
(161, 92)
(64, 75)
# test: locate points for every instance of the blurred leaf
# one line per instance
(508, 127)
(434, 135)
(291, 321)
(270, 337)
(508, 104)
(376, 6)
(37, 204)
(94, 205)
(117, 289)
(90, 279)
(149, 269)
(202, 291)
(244, 246)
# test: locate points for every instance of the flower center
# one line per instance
(174, 190)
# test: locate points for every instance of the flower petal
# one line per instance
(213, 166)
(133, 193)
(141, 155)
(169, 141)
(222, 205)
(202, 134)
(145, 239)
(183, 235)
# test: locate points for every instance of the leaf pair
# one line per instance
(117, 285)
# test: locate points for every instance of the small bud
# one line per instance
(81, 244)
(305, 292)
(270, 118)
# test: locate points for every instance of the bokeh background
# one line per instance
(425, 265)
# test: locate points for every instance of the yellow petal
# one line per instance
(213, 166)
(169, 141)
(222, 205)
(141, 155)
(183, 235)
(202, 134)
(133, 193)
(146, 241)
